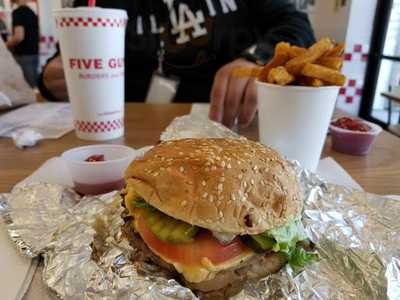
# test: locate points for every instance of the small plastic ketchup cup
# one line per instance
(353, 142)
(93, 176)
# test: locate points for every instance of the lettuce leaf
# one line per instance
(141, 203)
(285, 237)
(298, 258)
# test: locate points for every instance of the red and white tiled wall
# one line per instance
(47, 44)
(47, 47)
(360, 20)
(351, 92)
(355, 63)
(357, 52)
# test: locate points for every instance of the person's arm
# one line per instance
(52, 84)
(275, 21)
(16, 38)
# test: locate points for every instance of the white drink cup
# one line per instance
(92, 42)
(295, 120)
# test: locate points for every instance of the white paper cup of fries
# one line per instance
(297, 91)
(295, 119)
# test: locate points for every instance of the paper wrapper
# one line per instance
(357, 237)
(32, 123)
(14, 90)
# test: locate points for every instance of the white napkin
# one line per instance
(16, 270)
(29, 124)
(52, 171)
(14, 90)
(332, 172)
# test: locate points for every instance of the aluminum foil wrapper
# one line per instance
(85, 253)
(87, 257)
(195, 126)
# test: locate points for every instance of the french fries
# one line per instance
(295, 65)
(280, 58)
(315, 82)
(308, 81)
(323, 73)
(295, 51)
(334, 63)
(317, 66)
(338, 51)
(280, 76)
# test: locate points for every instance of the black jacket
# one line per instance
(25, 17)
(201, 36)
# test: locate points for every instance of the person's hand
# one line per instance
(54, 79)
(233, 96)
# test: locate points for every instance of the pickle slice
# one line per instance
(165, 232)
(151, 218)
(157, 223)
(266, 243)
(183, 233)
(169, 229)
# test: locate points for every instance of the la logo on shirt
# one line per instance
(185, 23)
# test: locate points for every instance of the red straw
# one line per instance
(92, 3)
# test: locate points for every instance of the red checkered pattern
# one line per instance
(101, 126)
(359, 53)
(90, 22)
(47, 44)
(351, 92)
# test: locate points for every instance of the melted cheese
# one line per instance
(208, 270)
(129, 198)
(229, 264)
(193, 274)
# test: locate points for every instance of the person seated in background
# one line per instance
(3, 30)
(204, 41)
(24, 41)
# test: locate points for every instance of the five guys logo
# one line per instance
(95, 63)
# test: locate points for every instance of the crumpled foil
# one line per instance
(86, 257)
(195, 126)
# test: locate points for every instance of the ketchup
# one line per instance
(95, 158)
(85, 188)
(351, 124)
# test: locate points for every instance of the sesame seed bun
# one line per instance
(225, 185)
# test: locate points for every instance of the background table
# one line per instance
(392, 98)
(379, 172)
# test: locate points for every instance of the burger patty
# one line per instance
(226, 283)
(143, 254)
(229, 282)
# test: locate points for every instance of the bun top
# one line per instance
(225, 185)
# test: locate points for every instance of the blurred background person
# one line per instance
(3, 30)
(204, 41)
(24, 41)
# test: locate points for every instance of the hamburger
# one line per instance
(215, 212)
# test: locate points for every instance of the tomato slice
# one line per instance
(191, 254)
